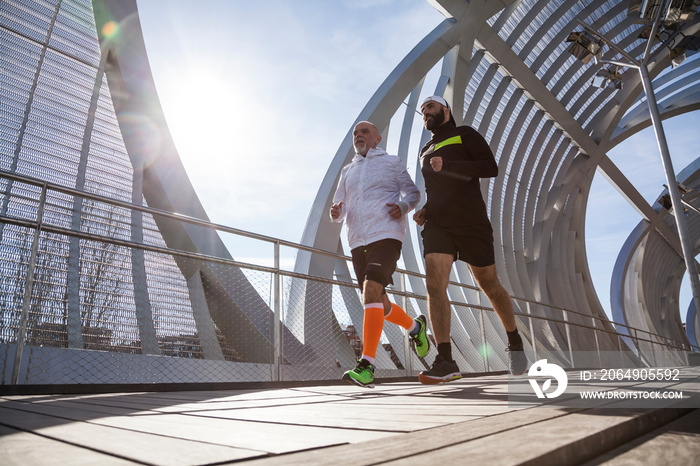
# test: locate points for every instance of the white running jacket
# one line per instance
(366, 185)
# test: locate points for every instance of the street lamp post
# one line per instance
(671, 183)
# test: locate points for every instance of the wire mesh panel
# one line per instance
(108, 345)
(348, 311)
(14, 261)
(545, 343)
(318, 342)
(402, 350)
(496, 336)
(472, 347)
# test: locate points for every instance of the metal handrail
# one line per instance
(276, 270)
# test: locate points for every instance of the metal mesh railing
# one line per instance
(91, 293)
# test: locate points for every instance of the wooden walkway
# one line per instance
(469, 420)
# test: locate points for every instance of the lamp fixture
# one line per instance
(583, 46)
(686, 44)
(677, 11)
(608, 77)
(681, 11)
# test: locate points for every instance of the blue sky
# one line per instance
(258, 96)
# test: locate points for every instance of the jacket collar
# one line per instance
(443, 129)
(376, 152)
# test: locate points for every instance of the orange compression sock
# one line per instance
(372, 328)
(399, 317)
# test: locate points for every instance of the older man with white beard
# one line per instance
(374, 194)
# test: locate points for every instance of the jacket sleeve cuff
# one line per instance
(340, 218)
(403, 206)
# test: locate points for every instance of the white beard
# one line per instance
(360, 147)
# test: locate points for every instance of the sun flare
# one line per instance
(201, 114)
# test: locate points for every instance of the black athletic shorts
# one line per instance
(376, 261)
(473, 246)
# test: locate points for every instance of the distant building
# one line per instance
(354, 339)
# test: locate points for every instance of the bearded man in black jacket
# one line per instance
(457, 227)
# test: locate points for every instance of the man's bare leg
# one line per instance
(444, 368)
(487, 280)
(373, 292)
(437, 271)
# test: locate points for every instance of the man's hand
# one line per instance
(419, 217)
(395, 211)
(335, 210)
(436, 163)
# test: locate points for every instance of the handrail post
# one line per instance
(619, 348)
(568, 336)
(597, 344)
(276, 333)
(484, 345)
(408, 356)
(532, 330)
(28, 287)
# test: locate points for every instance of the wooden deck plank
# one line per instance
(409, 446)
(676, 444)
(402, 414)
(388, 393)
(386, 419)
(18, 448)
(410, 414)
(570, 439)
(271, 436)
(142, 403)
(380, 418)
(137, 446)
(260, 436)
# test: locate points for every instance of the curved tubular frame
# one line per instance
(505, 63)
(647, 274)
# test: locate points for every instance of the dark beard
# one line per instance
(436, 121)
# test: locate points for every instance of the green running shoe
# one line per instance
(420, 339)
(362, 374)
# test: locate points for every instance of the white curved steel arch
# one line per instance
(692, 324)
(647, 276)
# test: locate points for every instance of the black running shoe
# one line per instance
(442, 371)
(517, 360)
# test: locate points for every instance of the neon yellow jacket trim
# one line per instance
(447, 142)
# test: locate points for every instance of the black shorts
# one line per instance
(473, 246)
(376, 261)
